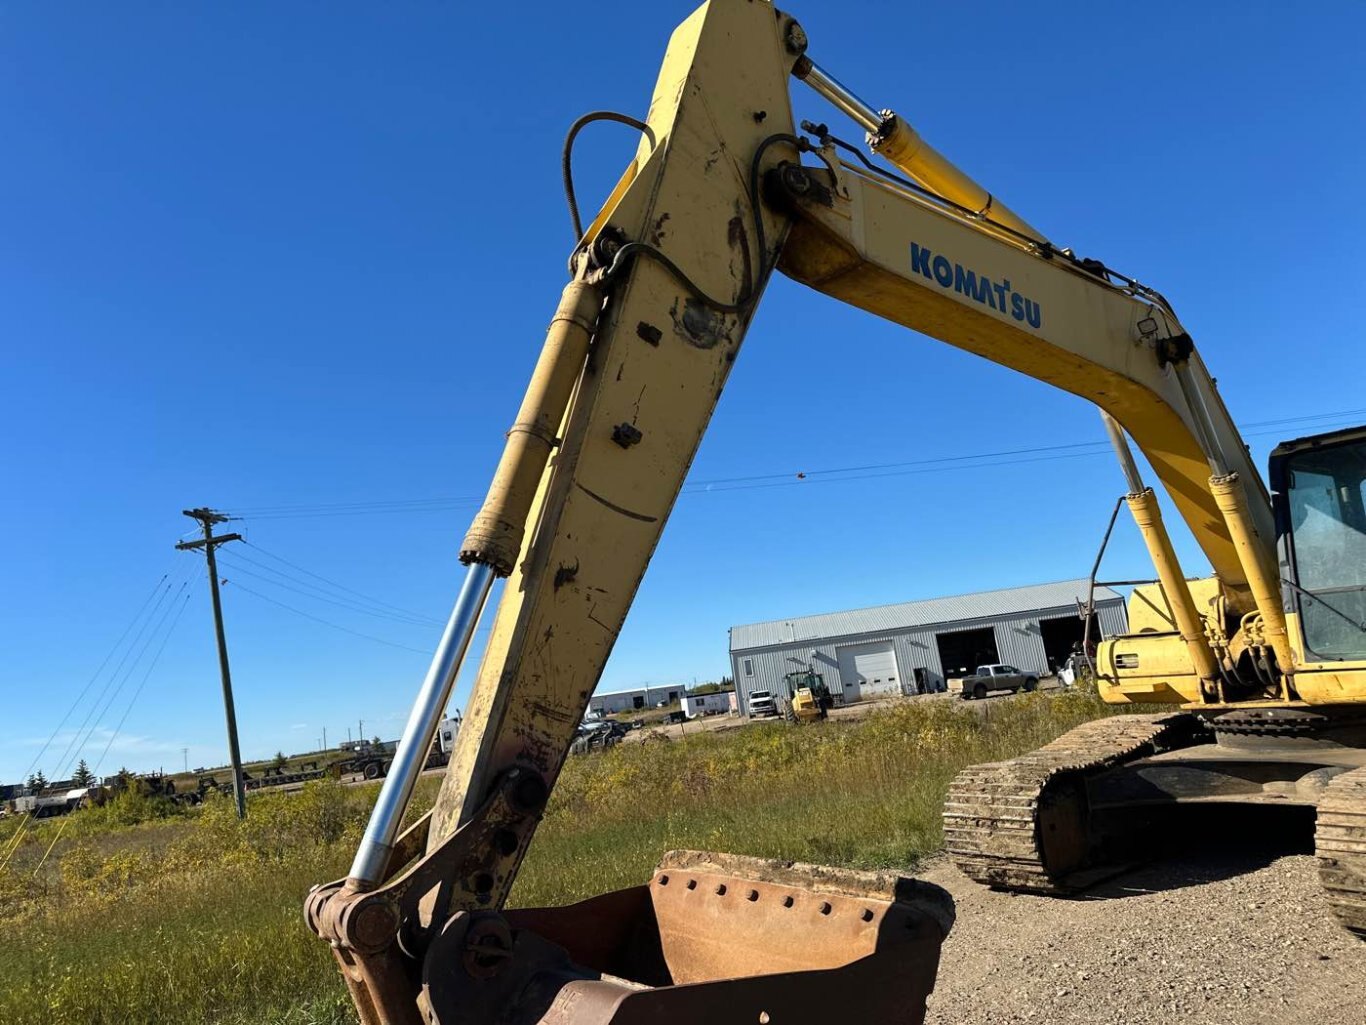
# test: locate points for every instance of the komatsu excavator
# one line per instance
(1263, 664)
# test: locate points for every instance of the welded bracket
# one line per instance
(380, 936)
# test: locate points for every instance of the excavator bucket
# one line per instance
(713, 938)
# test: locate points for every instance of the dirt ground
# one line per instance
(1233, 939)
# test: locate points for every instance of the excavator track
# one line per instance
(1023, 824)
(1340, 843)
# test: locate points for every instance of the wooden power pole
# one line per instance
(207, 518)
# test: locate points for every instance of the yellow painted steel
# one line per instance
(1146, 668)
(1324, 683)
(867, 246)
(1262, 574)
(495, 536)
(901, 144)
(659, 357)
(1148, 518)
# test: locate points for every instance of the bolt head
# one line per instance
(795, 180)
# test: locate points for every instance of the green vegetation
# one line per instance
(151, 913)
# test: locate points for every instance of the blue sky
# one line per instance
(259, 256)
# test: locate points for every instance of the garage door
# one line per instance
(868, 670)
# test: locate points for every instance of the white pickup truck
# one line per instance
(996, 677)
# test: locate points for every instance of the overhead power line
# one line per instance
(102, 707)
(95, 675)
(342, 587)
(314, 594)
(147, 621)
(326, 622)
(119, 727)
(758, 481)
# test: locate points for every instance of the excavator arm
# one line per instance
(722, 191)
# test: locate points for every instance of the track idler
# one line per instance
(712, 939)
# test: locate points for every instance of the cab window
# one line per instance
(1327, 511)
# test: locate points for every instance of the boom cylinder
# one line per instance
(495, 535)
(1148, 517)
(1253, 552)
(1232, 499)
(891, 137)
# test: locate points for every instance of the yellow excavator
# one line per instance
(1263, 665)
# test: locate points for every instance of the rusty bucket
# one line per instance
(712, 939)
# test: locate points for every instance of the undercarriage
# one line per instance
(1119, 791)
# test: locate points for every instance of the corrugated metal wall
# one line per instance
(1018, 641)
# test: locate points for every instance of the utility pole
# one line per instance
(324, 738)
(207, 518)
(360, 730)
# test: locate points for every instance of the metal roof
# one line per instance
(913, 614)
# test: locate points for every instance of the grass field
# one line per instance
(144, 914)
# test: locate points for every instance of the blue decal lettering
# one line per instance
(1001, 291)
(975, 286)
(965, 283)
(920, 260)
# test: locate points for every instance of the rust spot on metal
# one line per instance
(701, 326)
(565, 574)
(657, 232)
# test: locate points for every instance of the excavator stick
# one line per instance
(663, 285)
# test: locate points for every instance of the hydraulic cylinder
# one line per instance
(495, 535)
(1263, 581)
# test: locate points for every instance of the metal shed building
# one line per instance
(612, 702)
(916, 646)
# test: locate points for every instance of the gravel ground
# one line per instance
(1229, 941)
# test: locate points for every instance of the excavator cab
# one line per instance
(1320, 504)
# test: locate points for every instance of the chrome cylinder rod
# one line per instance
(367, 870)
(831, 88)
(1125, 454)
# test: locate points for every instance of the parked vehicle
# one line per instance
(1076, 667)
(810, 696)
(45, 804)
(595, 734)
(996, 677)
(762, 704)
(373, 760)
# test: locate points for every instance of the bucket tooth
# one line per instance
(711, 938)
